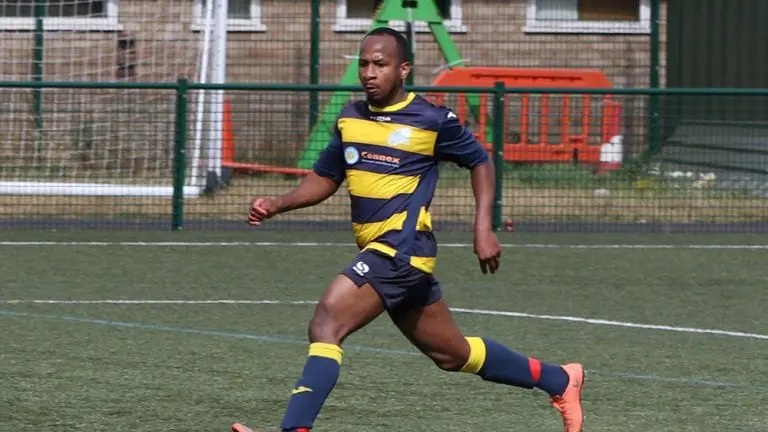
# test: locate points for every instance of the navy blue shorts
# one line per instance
(400, 286)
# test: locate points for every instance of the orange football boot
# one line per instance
(569, 403)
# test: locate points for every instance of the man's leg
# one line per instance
(344, 308)
(432, 330)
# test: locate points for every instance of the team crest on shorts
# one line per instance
(351, 155)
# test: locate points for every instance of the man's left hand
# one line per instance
(488, 251)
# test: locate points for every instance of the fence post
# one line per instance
(38, 72)
(498, 150)
(314, 62)
(655, 79)
(179, 154)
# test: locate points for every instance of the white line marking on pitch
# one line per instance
(279, 339)
(339, 244)
(151, 302)
(594, 321)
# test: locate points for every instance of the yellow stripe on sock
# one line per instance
(476, 355)
(334, 352)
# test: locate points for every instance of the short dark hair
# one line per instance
(402, 43)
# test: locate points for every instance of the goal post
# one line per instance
(109, 142)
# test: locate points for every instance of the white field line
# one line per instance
(594, 321)
(341, 244)
(277, 339)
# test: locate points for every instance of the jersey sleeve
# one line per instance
(457, 144)
(330, 164)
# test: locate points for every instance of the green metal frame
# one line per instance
(183, 88)
(655, 79)
(314, 62)
(390, 10)
(38, 71)
(179, 154)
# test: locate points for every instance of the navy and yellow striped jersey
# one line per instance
(389, 158)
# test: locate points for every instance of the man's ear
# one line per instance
(405, 70)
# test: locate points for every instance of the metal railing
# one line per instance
(672, 171)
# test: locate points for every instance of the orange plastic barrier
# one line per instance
(574, 133)
(228, 152)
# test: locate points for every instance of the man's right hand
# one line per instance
(312, 189)
(261, 209)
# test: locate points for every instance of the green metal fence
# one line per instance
(313, 42)
(117, 138)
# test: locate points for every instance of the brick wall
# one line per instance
(495, 36)
(276, 122)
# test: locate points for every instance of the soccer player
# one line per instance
(387, 148)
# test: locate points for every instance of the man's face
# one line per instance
(380, 69)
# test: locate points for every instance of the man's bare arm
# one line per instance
(484, 189)
(487, 246)
(456, 143)
(312, 190)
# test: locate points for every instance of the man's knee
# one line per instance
(343, 310)
(325, 325)
(467, 357)
(451, 357)
(449, 362)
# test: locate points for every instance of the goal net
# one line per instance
(109, 142)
